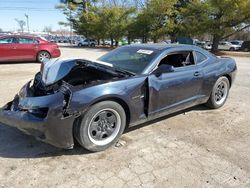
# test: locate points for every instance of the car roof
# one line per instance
(163, 46)
(26, 36)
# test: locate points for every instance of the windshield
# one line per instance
(130, 58)
(235, 43)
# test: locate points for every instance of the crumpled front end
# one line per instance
(45, 108)
(41, 116)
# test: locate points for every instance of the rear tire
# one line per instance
(42, 56)
(101, 126)
(232, 49)
(219, 93)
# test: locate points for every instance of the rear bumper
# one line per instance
(52, 129)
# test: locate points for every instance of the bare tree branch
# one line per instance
(236, 31)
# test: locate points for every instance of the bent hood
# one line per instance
(55, 70)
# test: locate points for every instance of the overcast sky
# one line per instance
(41, 13)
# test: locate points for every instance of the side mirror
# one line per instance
(163, 69)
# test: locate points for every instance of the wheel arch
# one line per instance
(229, 79)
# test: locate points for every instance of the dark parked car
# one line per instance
(26, 48)
(94, 101)
(245, 46)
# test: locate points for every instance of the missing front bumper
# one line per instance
(50, 127)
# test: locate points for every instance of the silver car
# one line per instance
(224, 45)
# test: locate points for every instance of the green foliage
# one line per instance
(104, 22)
(220, 18)
(154, 19)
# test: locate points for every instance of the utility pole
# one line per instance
(27, 18)
(70, 22)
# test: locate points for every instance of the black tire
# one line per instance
(232, 49)
(92, 45)
(42, 56)
(80, 45)
(245, 50)
(214, 101)
(86, 132)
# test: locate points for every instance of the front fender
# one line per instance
(128, 91)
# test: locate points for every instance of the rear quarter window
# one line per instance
(200, 57)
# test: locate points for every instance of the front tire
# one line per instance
(101, 126)
(219, 93)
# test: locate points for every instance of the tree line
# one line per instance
(155, 19)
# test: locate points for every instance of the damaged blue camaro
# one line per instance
(94, 101)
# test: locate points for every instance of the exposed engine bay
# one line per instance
(79, 73)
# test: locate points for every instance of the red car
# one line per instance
(26, 48)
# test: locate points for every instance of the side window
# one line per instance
(10, 40)
(36, 41)
(200, 57)
(179, 59)
(25, 41)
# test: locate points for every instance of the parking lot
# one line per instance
(197, 147)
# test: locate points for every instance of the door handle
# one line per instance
(197, 74)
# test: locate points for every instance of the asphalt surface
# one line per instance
(197, 147)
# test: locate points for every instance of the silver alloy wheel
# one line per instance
(43, 56)
(104, 127)
(221, 92)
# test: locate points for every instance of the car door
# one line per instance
(86, 42)
(8, 49)
(175, 88)
(223, 46)
(27, 48)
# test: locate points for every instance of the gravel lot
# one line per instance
(195, 148)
